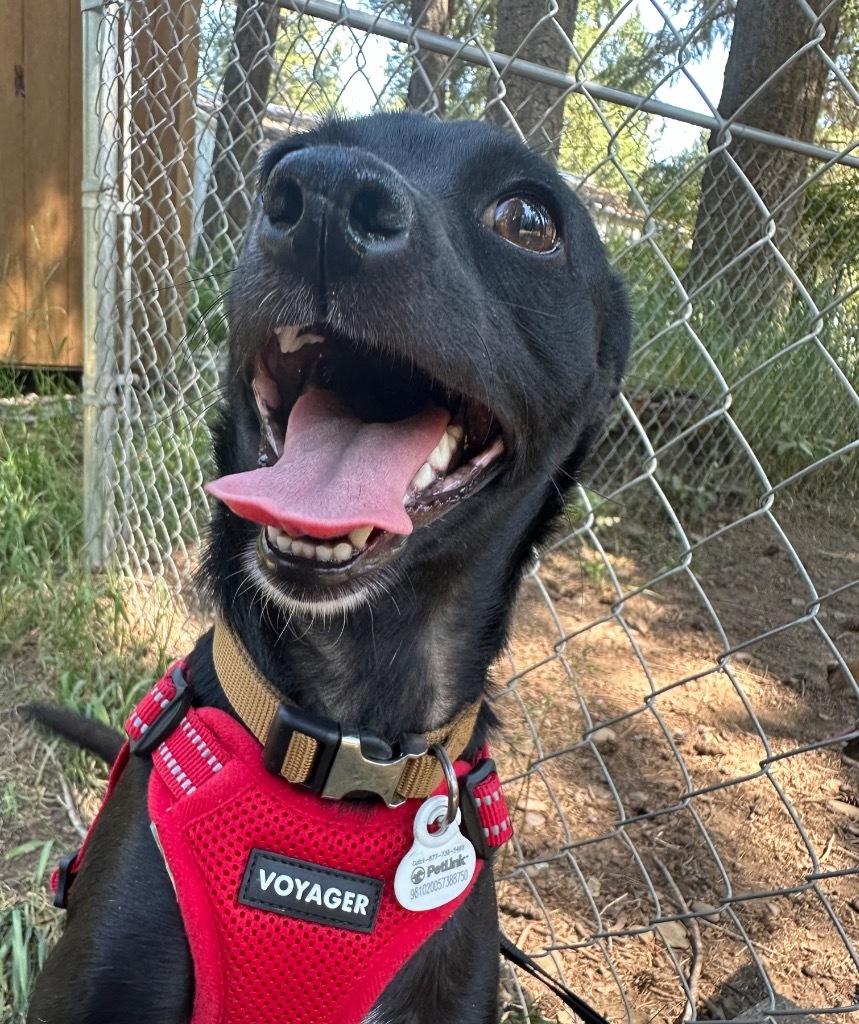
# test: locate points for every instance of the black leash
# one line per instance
(515, 955)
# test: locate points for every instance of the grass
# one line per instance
(65, 635)
(785, 397)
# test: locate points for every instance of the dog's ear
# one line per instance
(615, 335)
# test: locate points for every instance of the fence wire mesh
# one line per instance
(682, 677)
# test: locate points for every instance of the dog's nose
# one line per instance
(333, 212)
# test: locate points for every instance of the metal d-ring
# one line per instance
(440, 754)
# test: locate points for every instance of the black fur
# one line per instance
(93, 736)
(539, 339)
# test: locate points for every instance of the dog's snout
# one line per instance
(340, 208)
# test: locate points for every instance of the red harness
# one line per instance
(287, 898)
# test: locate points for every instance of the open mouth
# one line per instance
(357, 449)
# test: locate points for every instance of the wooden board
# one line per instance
(41, 275)
(13, 282)
(40, 180)
(74, 326)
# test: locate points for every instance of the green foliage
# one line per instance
(829, 256)
(307, 61)
(40, 468)
(599, 137)
(465, 87)
(306, 58)
(70, 619)
(206, 320)
(839, 114)
(785, 397)
(23, 948)
(670, 190)
(701, 22)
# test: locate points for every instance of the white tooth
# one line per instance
(359, 536)
(343, 551)
(268, 400)
(283, 543)
(424, 477)
(286, 338)
(274, 532)
(291, 341)
(440, 455)
(301, 547)
(324, 552)
(405, 499)
(456, 432)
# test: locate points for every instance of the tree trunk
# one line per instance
(426, 85)
(239, 129)
(537, 109)
(166, 50)
(731, 229)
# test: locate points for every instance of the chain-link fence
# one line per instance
(682, 679)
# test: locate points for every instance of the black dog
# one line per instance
(402, 281)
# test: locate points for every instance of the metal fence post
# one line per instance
(99, 376)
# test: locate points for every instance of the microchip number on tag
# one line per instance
(439, 866)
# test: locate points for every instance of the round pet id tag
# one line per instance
(439, 866)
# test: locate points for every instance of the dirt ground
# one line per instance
(648, 783)
(696, 793)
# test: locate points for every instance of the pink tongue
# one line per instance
(336, 472)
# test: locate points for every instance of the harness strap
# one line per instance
(256, 702)
(187, 754)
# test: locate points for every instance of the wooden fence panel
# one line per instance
(13, 281)
(40, 181)
(41, 272)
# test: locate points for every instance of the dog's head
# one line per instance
(425, 335)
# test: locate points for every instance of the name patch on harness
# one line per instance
(310, 892)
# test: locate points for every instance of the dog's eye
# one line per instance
(524, 222)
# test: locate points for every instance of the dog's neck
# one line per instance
(417, 651)
(398, 664)
(405, 662)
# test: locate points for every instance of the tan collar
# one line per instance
(313, 751)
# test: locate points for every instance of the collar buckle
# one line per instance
(353, 772)
(339, 765)
(289, 720)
